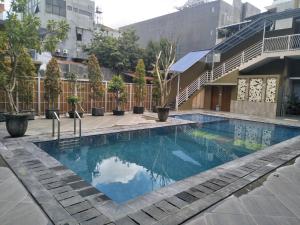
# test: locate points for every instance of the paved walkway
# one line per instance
(272, 200)
(16, 205)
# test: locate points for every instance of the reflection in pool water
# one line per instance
(129, 164)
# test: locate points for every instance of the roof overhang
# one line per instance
(188, 61)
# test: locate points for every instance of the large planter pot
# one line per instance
(16, 124)
(2, 116)
(163, 113)
(30, 113)
(138, 109)
(118, 112)
(98, 111)
(49, 113)
(154, 109)
(72, 114)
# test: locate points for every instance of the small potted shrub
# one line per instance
(165, 58)
(155, 93)
(73, 101)
(140, 83)
(293, 105)
(52, 85)
(25, 90)
(96, 81)
(117, 87)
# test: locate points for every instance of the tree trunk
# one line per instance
(12, 105)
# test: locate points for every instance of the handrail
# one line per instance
(268, 45)
(77, 116)
(55, 117)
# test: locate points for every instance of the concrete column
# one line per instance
(284, 89)
(39, 95)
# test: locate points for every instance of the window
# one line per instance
(213, 9)
(70, 8)
(56, 7)
(75, 9)
(79, 32)
(86, 13)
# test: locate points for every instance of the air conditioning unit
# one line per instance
(57, 51)
(65, 51)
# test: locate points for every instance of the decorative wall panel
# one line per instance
(256, 90)
(271, 90)
(242, 89)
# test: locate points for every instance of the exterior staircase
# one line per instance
(268, 48)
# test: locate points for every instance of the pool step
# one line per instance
(69, 144)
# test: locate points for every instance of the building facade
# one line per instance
(194, 25)
(257, 72)
(78, 14)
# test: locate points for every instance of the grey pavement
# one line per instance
(16, 205)
(272, 200)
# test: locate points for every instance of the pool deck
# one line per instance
(66, 199)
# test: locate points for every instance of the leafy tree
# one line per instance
(117, 87)
(140, 82)
(129, 49)
(119, 54)
(150, 55)
(26, 72)
(156, 90)
(95, 77)
(52, 83)
(20, 35)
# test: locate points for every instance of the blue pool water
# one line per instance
(130, 164)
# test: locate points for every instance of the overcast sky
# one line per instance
(118, 13)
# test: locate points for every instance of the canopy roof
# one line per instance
(188, 61)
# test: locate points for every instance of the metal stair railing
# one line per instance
(55, 117)
(77, 116)
(268, 45)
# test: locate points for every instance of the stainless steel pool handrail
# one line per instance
(55, 117)
(77, 116)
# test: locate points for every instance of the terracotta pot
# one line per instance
(138, 109)
(163, 113)
(118, 113)
(16, 124)
(49, 113)
(72, 114)
(98, 111)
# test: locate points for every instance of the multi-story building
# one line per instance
(281, 5)
(253, 71)
(194, 25)
(79, 15)
(2, 11)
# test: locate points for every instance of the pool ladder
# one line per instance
(56, 117)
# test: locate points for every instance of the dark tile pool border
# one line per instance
(68, 200)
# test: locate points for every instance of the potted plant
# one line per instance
(73, 101)
(52, 86)
(96, 81)
(155, 93)
(140, 83)
(293, 105)
(165, 58)
(117, 87)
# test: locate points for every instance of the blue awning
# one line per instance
(188, 61)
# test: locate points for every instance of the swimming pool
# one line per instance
(130, 164)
